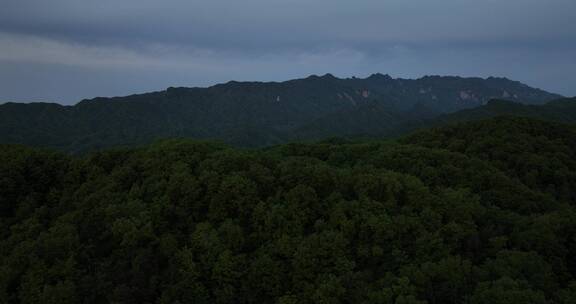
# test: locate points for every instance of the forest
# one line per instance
(479, 212)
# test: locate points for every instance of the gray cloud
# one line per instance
(119, 47)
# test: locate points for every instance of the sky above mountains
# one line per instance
(67, 50)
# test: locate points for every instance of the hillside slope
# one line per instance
(250, 113)
(559, 110)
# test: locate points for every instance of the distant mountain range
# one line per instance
(259, 114)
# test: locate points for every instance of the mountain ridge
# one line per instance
(327, 76)
(248, 113)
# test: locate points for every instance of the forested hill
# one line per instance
(560, 110)
(378, 121)
(480, 213)
(254, 113)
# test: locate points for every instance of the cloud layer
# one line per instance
(66, 50)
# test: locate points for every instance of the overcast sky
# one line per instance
(67, 50)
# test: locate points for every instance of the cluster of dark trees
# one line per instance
(478, 213)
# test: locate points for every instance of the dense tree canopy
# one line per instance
(478, 213)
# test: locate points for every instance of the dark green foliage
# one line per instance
(253, 114)
(453, 215)
(560, 110)
(542, 155)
